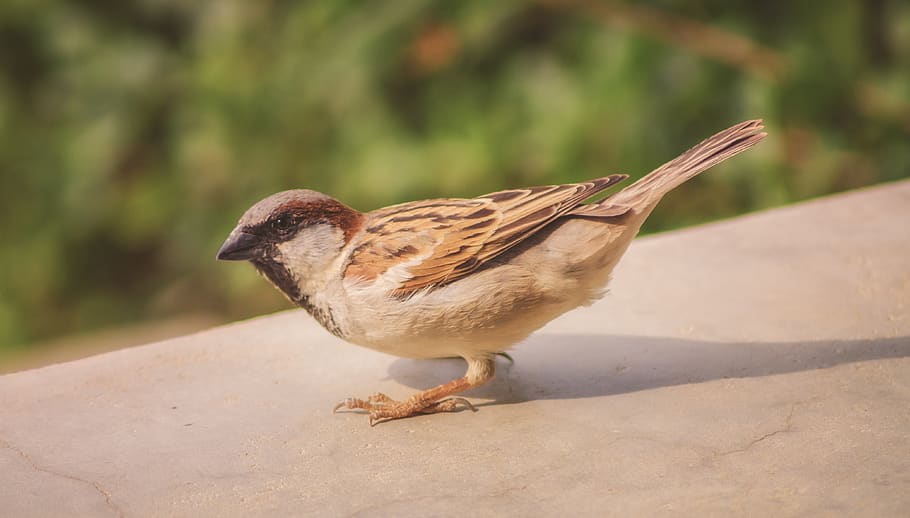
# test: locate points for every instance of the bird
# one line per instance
(456, 277)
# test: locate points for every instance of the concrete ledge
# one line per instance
(755, 366)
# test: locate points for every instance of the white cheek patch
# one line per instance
(310, 254)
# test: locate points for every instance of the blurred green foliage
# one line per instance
(133, 133)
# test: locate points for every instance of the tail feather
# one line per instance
(647, 191)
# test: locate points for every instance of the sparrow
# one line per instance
(455, 277)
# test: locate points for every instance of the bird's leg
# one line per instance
(437, 399)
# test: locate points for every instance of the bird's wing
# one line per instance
(426, 244)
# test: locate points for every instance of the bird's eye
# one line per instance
(284, 223)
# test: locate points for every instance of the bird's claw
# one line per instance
(352, 403)
(453, 403)
(381, 407)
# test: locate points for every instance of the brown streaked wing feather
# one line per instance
(604, 209)
(455, 236)
(444, 232)
(532, 209)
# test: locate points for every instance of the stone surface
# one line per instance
(756, 366)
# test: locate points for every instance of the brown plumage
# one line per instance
(456, 277)
(452, 237)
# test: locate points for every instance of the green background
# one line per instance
(133, 134)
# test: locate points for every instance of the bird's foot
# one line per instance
(383, 408)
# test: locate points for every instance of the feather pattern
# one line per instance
(647, 191)
(426, 244)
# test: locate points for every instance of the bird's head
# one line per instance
(292, 238)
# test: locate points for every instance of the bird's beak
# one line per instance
(238, 246)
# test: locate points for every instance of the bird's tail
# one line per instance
(646, 192)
